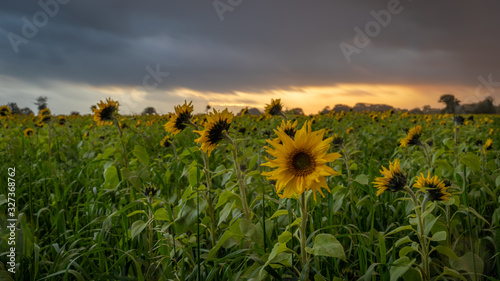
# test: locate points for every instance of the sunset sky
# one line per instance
(234, 53)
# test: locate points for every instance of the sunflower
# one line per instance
(488, 145)
(165, 142)
(435, 188)
(300, 162)
(182, 116)
(39, 124)
(338, 141)
(104, 112)
(28, 132)
(349, 130)
(275, 107)
(150, 190)
(287, 128)
(244, 111)
(44, 112)
(217, 123)
(393, 179)
(5, 111)
(413, 137)
(61, 121)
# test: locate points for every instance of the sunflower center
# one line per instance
(107, 113)
(215, 133)
(302, 163)
(397, 182)
(181, 120)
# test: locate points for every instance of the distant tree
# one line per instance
(14, 108)
(27, 111)
(341, 107)
(207, 108)
(296, 111)
(41, 103)
(74, 113)
(149, 110)
(416, 110)
(451, 103)
(325, 110)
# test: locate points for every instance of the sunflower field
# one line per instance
(223, 196)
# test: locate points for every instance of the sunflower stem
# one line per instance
(239, 174)
(419, 210)
(211, 211)
(303, 226)
(124, 152)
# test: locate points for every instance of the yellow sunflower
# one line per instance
(104, 112)
(300, 162)
(349, 130)
(165, 142)
(182, 116)
(435, 188)
(5, 111)
(412, 138)
(44, 112)
(28, 132)
(488, 145)
(287, 128)
(39, 124)
(244, 111)
(394, 179)
(61, 121)
(275, 107)
(213, 133)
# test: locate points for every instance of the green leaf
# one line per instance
(225, 212)
(228, 234)
(278, 213)
(3, 199)
(362, 179)
(472, 161)
(161, 215)
(142, 155)
(450, 272)
(111, 177)
(224, 197)
(327, 245)
(137, 228)
(381, 246)
(354, 167)
(498, 181)
(285, 237)
(439, 236)
(446, 251)
(401, 228)
(405, 251)
(399, 267)
(467, 261)
(403, 240)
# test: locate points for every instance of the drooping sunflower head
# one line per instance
(61, 121)
(338, 141)
(393, 180)
(5, 111)
(275, 107)
(413, 137)
(166, 141)
(217, 123)
(39, 124)
(300, 162)
(434, 187)
(287, 128)
(177, 122)
(105, 111)
(28, 132)
(458, 119)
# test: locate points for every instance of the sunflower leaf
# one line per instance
(327, 245)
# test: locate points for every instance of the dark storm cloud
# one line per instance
(260, 45)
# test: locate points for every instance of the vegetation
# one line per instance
(374, 195)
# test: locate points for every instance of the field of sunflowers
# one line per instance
(223, 196)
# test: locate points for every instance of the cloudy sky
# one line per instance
(232, 53)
